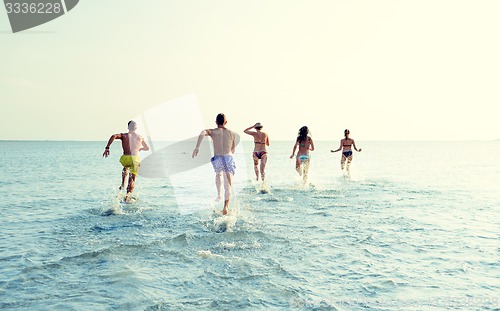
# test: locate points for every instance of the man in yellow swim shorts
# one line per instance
(132, 143)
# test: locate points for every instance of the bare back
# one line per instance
(223, 139)
(260, 141)
(131, 143)
(346, 143)
(304, 146)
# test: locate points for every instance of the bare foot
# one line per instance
(128, 197)
(225, 210)
(121, 187)
(218, 199)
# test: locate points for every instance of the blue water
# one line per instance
(416, 227)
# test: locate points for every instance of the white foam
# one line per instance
(209, 255)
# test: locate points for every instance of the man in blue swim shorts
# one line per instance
(222, 161)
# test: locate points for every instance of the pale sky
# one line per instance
(387, 70)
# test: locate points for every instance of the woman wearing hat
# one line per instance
(261, 140)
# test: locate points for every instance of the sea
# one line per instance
(416, 226)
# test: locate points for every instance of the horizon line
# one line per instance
(249, 140)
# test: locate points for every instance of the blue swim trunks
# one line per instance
(223, 163)
(347, 153)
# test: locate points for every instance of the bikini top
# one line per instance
(303, 144)
(258, 142)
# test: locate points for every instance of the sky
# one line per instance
(386, 70)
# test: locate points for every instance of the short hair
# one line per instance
(132, 125)
(220, 119)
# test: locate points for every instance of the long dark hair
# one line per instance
(303, 134)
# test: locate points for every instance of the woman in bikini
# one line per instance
(345, 146)
(305, 144)
(261, 140)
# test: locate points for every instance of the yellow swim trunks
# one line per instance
(132, 162)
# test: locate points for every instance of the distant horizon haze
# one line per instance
(386, 70)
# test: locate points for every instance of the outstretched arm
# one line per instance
(110, 141)
(198, 143)
(340, 147)
(293, 152)
(354, 145)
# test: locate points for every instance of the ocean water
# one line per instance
(415, 227)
